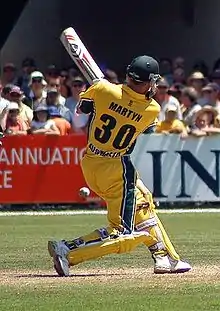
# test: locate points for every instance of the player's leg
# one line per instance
(177, 265)
(166, 240)
(149, 216)
(118, 191)
(147, 219)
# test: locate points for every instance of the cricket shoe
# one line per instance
(179, 266)
(58, 251)
(162, 264)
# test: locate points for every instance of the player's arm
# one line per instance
(87, 99)
(141, 186)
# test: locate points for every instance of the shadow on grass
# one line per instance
(85, 275)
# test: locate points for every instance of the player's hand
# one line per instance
(143, 205)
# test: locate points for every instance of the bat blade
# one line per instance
(80, 55)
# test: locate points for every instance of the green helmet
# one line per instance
(143, 69)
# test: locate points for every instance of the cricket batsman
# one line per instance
(118, 115)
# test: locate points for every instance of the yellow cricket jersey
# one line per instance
(167, 126)
(118, 116)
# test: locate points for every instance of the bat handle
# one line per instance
(96, 80)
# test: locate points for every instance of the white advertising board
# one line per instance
(179, 170)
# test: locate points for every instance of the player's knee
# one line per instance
(128, 243)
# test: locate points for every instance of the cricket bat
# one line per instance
(80, 55)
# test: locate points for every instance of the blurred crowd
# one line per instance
(190, 103)
(35, 102)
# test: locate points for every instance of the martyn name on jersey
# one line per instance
(134, 116)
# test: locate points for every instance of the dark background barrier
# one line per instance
(114, 31)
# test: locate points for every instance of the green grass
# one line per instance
(25, 264)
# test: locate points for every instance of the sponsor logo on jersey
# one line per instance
(103, 153)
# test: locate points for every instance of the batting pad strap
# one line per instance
(159, 246)
(103, 232)
(79, 242)
(151, 222)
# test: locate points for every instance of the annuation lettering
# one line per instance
(41, 156)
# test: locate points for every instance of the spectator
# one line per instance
(55, 82)
(178, 62)
(42, 124)
(202, 67)
(6, 91)
(215, 76)
(176, 90)
(179, 75)
(9, 74)
(78, 86)
(211, 94)
(62, 124)
(79, 121)
(11, 121)
(171, 124)
(37, 86)
(28, 66)
(73, 72)
(205, 122)
(166, 70)
(3, 100)
(111, 76)
(64, 89)
(197, 80)
(164, 99)
(26, 113)
(52, 99)
(189, 104)
(51, 72)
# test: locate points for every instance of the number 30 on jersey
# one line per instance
(122, 138)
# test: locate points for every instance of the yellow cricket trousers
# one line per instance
(113, 179)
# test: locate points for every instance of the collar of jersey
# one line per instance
(133, 93)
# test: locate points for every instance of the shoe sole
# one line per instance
(180, 270)
(56, 259)
(162, 271)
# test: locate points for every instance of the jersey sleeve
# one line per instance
(152, 127)
(87, 98)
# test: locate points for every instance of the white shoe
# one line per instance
(179, 266)
(59, 251)
(162, 264)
